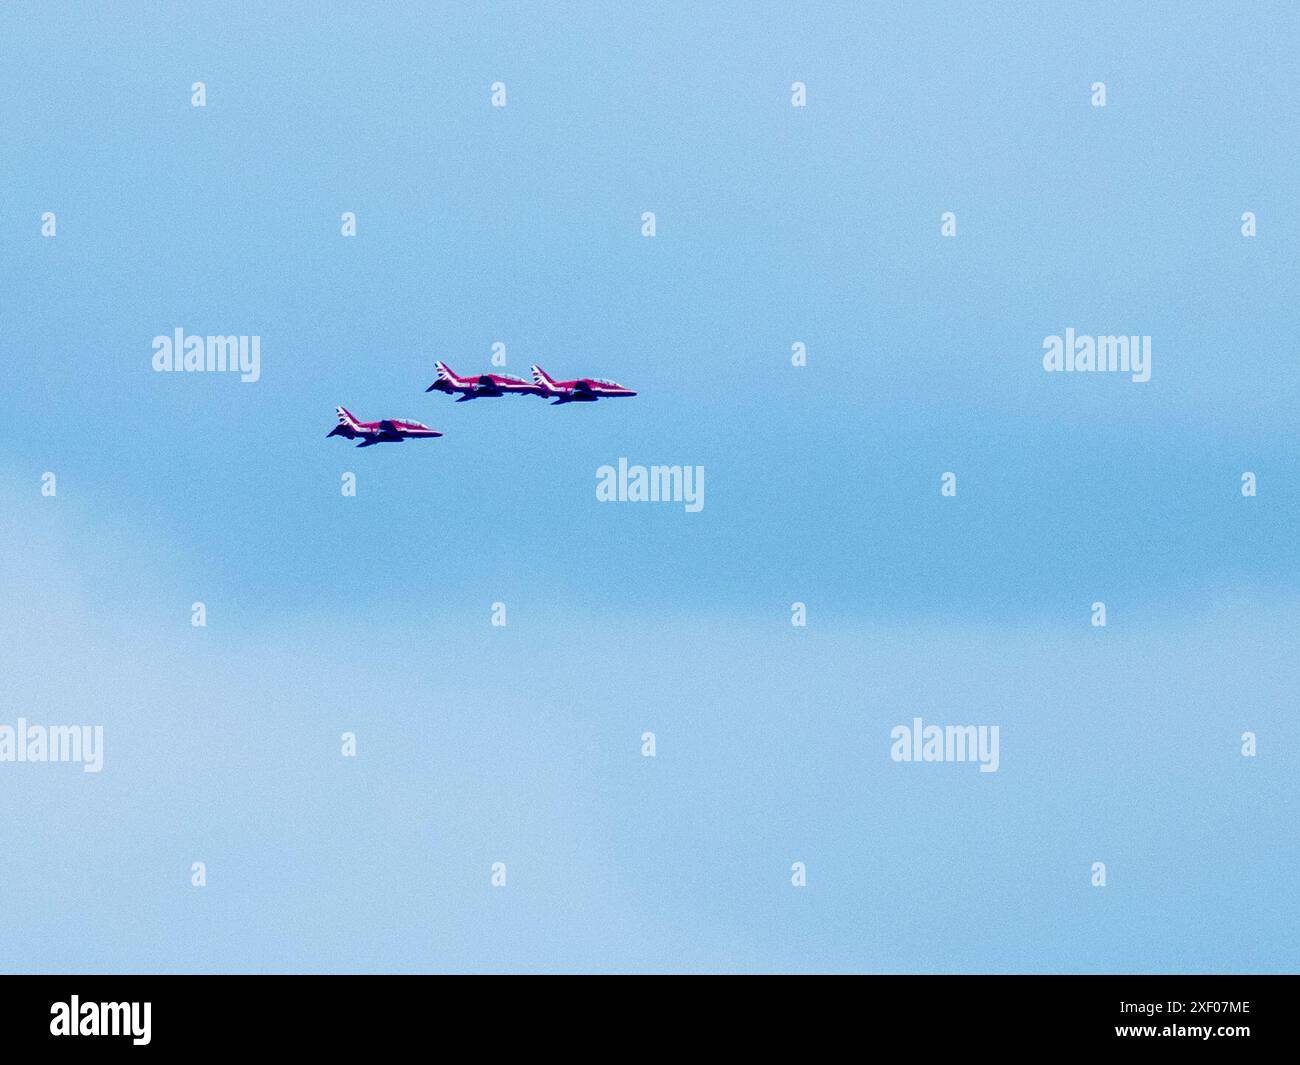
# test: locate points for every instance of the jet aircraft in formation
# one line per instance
(484, 384)
(583, 390)
(389, 430)
(478, 386)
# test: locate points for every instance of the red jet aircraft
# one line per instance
(583, 390)
(390, 429)
(484, 384)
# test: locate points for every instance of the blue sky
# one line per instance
(774, 225)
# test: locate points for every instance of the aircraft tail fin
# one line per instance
(544, 381)
(346, 418)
